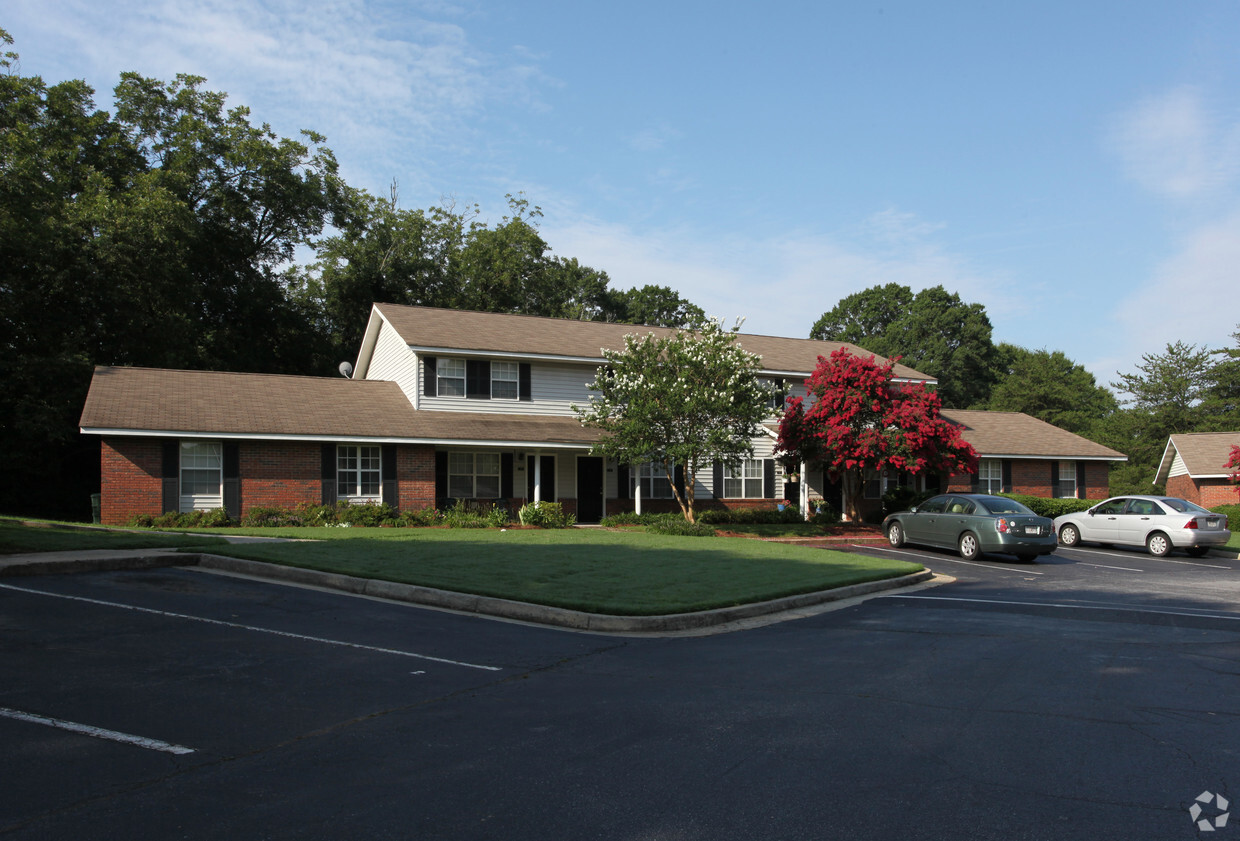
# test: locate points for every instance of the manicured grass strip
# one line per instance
(623, 573)
(16, 538)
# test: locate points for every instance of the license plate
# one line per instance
(1033, 530)
(1212, 523)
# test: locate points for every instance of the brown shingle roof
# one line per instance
(151, 400)
(442, 329)
(1205, 454)
(1015, 435)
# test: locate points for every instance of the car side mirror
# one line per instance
(913, 510)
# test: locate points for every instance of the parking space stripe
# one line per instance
(95, 732)
(1118, 607)
(922, 557)
(256, 629)
(1107, 566)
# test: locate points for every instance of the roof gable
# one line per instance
(1204, 454)
(1017, 435)
(433, 329)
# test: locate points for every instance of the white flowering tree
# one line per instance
(684, 399)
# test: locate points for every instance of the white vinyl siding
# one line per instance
(554, 388)
(392, 360)
(202, 475)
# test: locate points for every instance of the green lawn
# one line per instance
(615, 572)
(16, 538)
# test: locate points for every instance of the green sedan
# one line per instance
(973, 524)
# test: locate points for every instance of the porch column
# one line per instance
(537, 476)
(803, 502)
(637, 490)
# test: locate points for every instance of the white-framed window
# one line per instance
(651, 477)
(505, 381)
(451, 377)
(778, 398)
(1067, 480)
(990, 475)
(202, 475)
(359, 470)
(743, 480)
(473, 475)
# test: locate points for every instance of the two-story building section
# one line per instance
(442, 405)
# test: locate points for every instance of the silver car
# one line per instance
(1159, 523)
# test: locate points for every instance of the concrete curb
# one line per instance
(101, 560)
(543, 614)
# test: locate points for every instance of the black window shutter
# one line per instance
(430, 376)
(716, 480)
(232, 480)
(782, 396)
(478, 379)
(171, 475)
(623, 491)
(505, 475)
(977, 480)
(524, 390)
(768, 478)
(1055, 480)
(678, 475)
(1080, 481)
(328, 472)
(387, 464)
(441, 478)
(1007, 476)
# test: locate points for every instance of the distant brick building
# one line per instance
(1194, 467)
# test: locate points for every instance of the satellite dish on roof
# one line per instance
(346, 369)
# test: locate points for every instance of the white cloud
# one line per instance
(1173, 144)
(781, 284)
(1189, 298)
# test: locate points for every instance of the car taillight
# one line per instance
(1002, 525)
(1191, 524)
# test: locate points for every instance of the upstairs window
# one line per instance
(505, 380)
(451, 376)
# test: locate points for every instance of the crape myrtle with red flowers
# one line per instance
(857, 417)
(1234, 464)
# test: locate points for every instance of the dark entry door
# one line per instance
(589, 489)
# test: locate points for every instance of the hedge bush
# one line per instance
(545, 515)
(681, 527)
(630, 518)
(1053, 507)
(748, 516)
(215, 518)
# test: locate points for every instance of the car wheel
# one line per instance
(895, 535)
(1158, 544)
(1197, 551)
(1069, 535)
(970, 549)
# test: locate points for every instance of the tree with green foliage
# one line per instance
(1220, 402)
(681, 400)
(1049, 386)
(155, 236)
(656, 306)
(932, 331)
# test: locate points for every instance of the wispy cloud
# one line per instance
(1174, 144)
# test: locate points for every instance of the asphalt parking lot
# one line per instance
(1091, 694)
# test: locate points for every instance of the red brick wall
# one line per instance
(415, 474)
(1032, 477)
(1205, 492)
(280, 474)
(131, 483)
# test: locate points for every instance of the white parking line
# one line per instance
(1146, 557)
(252, 628)
(1125, 608)
(96, 732)
(953, 560)
(1106, 566)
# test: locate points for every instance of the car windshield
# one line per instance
(999, 505)
(1183, 506)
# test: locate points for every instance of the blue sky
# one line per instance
(1074, 167)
